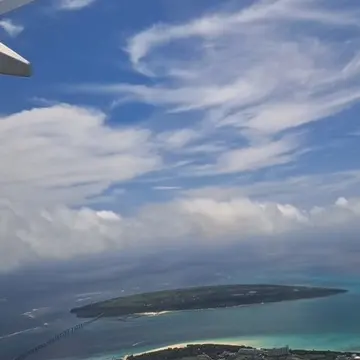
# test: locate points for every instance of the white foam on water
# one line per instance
(35, 312)
(154, 313)
(19, 333)
(84, 299)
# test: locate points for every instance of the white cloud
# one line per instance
(72, 5)
(300, 190)
(218, 24)
(11, 28)
(66, 154)
(246, 77)
(355, 133)
(177, 139)
(61, 155)
(60, 233)
(57, 235)
(266, 77)
(252, 158)
(165, 188)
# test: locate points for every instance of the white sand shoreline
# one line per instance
(214, 341)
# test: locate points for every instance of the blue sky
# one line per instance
(154, 123)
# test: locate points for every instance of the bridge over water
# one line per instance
(56, 338)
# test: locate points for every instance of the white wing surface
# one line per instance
(12, 63)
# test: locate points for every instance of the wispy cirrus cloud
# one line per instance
(11, 28)
(244, 159)
(249, 76)
(73, 5)
(165, 188)
(218, 24)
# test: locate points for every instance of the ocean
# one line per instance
(327, 323)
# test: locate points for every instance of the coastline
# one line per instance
(197, 342)
(298, 342)
(202, 298)
(250, 344)
(255, 342)
(167, 312)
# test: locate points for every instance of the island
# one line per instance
(195, 298)
(239, 352)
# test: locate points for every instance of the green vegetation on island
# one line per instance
(236, 352)
(201, 298)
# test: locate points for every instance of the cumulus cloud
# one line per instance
(61, 233)
(11, 28)
(66, 154)
(72, 5)
(29, 236)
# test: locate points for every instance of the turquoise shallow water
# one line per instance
(327, 323)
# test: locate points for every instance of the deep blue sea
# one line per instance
(27, 320)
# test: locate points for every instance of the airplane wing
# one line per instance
(9, 5)
(12, 63)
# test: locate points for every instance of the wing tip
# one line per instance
(13, 64)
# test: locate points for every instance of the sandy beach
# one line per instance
(246, 342)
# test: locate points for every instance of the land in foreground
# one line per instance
(236, 352)
(201, 298)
